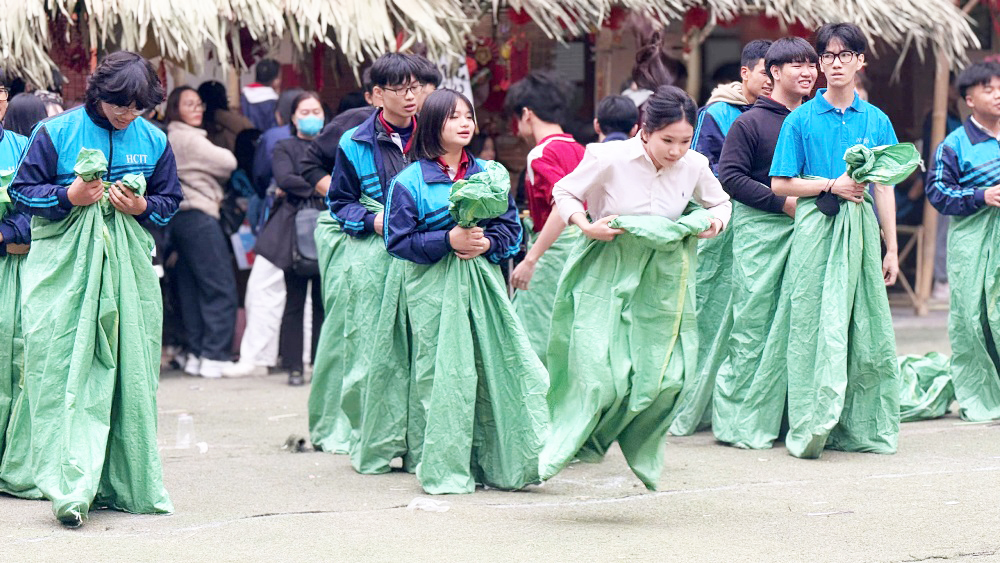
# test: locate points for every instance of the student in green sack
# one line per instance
(964, 182)
(624, 338)
(91, 309)
(477, 384)
(843, 379)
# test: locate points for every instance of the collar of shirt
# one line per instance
(397, 135)
(616, 136)
(455, 173)
(989, 134)
(823, 106)
(636, 150)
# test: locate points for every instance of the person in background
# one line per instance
(862, 85)
(23, 113)
(205, 279)
(539, 103)
(617, 119)
(429, 75)
(483, 146)
(964, 182)
(259, 99)
(277, 240)
(222, 124)
(265, 147)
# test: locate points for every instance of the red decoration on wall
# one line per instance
(695, 18)
(616, 17)
(518, 17)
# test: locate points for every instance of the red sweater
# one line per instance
(554, 157)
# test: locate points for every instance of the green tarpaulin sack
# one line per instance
(974, 318)
(91, 164)
(534, 305)
(477, 408)
(624, 338)
(357, 403)
(92, 323)
(887, 164)
(749, 399)
(713, 290)
(926, 391)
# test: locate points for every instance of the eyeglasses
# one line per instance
(411, 89)
(844, 56)
(122, 110)
(195, 107)
(3, 94)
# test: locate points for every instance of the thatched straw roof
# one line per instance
(182, 29)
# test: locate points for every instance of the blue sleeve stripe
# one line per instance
(697, 130)
(985, 169)
(47, 201)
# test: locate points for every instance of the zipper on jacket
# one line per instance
(111, 153)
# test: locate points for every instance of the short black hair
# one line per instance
(669, 104)
(979, 74)
(122, 78)
(427, 72)
(545, 93)
(617, 114)
(366, 80)
(173, 111)
(351, 100)
(23, 113)
(437, 108)
(303, 96)
(393, 68)
(213, 95)
(789, 50)
(753, 52)
(849, 34)
(267, 71)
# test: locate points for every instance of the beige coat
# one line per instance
(202, 167)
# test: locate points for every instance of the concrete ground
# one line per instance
(240, 497)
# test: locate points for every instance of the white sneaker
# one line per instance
(212, 369)
(942, 292)
(192, 365)
(244, 369)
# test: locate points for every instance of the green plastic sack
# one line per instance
(749, 398)
(91, 164)
(91, 318)
(5, 203)
(887, 165)
(135, 182)
(533, 306)
(483, 195)
(359, 390)
(624, 338)
(713, 290)
(843, 379)
(974, 319)
(926, 390)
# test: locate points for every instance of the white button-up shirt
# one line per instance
(619, 178)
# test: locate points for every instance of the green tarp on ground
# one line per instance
(92, 319)
(713, 290)
(925, 387)
(749, 398)
(843, 379)
(534, 305)
(974, 320)
(624, 338)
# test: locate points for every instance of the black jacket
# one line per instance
(745, 163)
(319, 157)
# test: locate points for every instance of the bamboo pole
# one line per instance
(939, 117)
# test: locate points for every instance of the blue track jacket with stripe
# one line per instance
(965, 164)
(46, 169)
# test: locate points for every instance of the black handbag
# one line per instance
(305, 260)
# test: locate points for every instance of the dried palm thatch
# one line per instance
(183, 30)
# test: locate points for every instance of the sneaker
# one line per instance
(212, 369)
(295, 378)
(192, 365)
(942, 292)
(244, 369)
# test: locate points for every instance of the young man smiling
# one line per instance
(843, 380)
(964, 181)
(749, 397)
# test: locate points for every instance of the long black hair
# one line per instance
(122, 78)
(669, 104)
(23, 113)
(438, 107)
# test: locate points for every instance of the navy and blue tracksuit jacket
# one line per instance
(714, 121)
(15, 226)
(417, 219)
(367, 161)
(965, 164)
(46, 169)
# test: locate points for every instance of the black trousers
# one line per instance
(206, 284)
(290, 343)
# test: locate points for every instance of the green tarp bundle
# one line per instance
(713, 290)
(749, 398)
(887, 164)
(624, 338)
(534, 305)
(974, 319)
(477, 411)
(357, 403)
(925, 387)
(91, 164)
(92, 319)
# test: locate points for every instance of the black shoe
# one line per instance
(295, 378)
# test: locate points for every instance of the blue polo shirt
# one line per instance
(816, 135)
